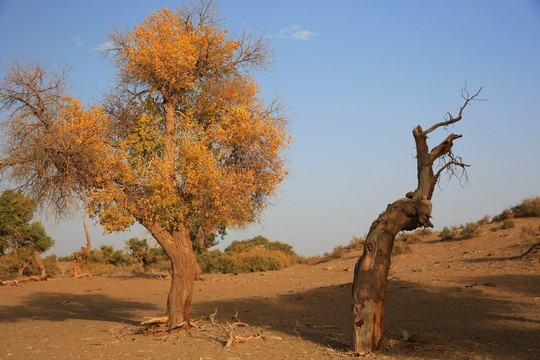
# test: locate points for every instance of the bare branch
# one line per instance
(451, 120)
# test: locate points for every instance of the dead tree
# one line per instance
(409, 213)
(80, 256)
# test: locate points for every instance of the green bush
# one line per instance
(424, 232)
(508, 224)
(241, 246)
(50, 265)
(446, 233)
(469, 231)
(484, 221)
(279, 246)
(257, 254)
(529, 207)
(215, 261)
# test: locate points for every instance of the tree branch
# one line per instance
(465, 95)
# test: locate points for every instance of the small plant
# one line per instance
(528, 234)
(424, 232)
(337, 253)
(357, 243)
(469, 231)
(446, 234)
(508, 224)
(484, 221)
(400, 247)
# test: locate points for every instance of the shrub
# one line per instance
(469, 231)
(484, 221)
(400, 248)
(241, 246)
(279, 246)
(423, 232)
(529, 207)
(215, 261)
(507, 224)
(446, 234)
(50, 265)
(528, 234)
(257, 254)
(118, 258)
(260, 260)
(401, 243)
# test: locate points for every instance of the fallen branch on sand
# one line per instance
(82, 276)
(23, 280)
(240, 339)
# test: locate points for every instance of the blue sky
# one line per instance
(355, 77)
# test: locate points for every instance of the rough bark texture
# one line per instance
(80, 259)
(39, 263)
(179, 248)
(409, 213)
(371, 270)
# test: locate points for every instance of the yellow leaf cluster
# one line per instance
(227, 144)
(168, 51)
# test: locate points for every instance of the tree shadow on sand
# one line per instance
(55, 306)
(440, 322)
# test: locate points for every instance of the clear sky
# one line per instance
(356, 77)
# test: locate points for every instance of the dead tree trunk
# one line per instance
(80, 256)
(409, 213)
(39, 263)
(87, 234)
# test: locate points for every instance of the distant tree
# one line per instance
(184, 144)
(409, 213)
(26, 240)
(139, 250)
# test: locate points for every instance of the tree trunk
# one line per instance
(179, 248)
(80, 259)
(39, 263)
(21, 269)
(414, 211)
(371, 270)
(87, 234)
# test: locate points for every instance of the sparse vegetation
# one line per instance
(446, 234)
(483, 221)
(528, 234)
(256, 254)
(357, 243)
(508, 224)
(529, 207)
(469, 231)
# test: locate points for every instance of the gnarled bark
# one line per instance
(409, 213)
(178, 246)
(39, 263)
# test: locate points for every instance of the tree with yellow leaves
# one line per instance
(183, 145)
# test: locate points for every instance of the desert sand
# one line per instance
(456, 299)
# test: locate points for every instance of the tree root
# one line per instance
(227, 328)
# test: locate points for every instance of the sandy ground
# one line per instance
(466, 299)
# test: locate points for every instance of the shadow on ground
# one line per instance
(63, 306)
(440, 322)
